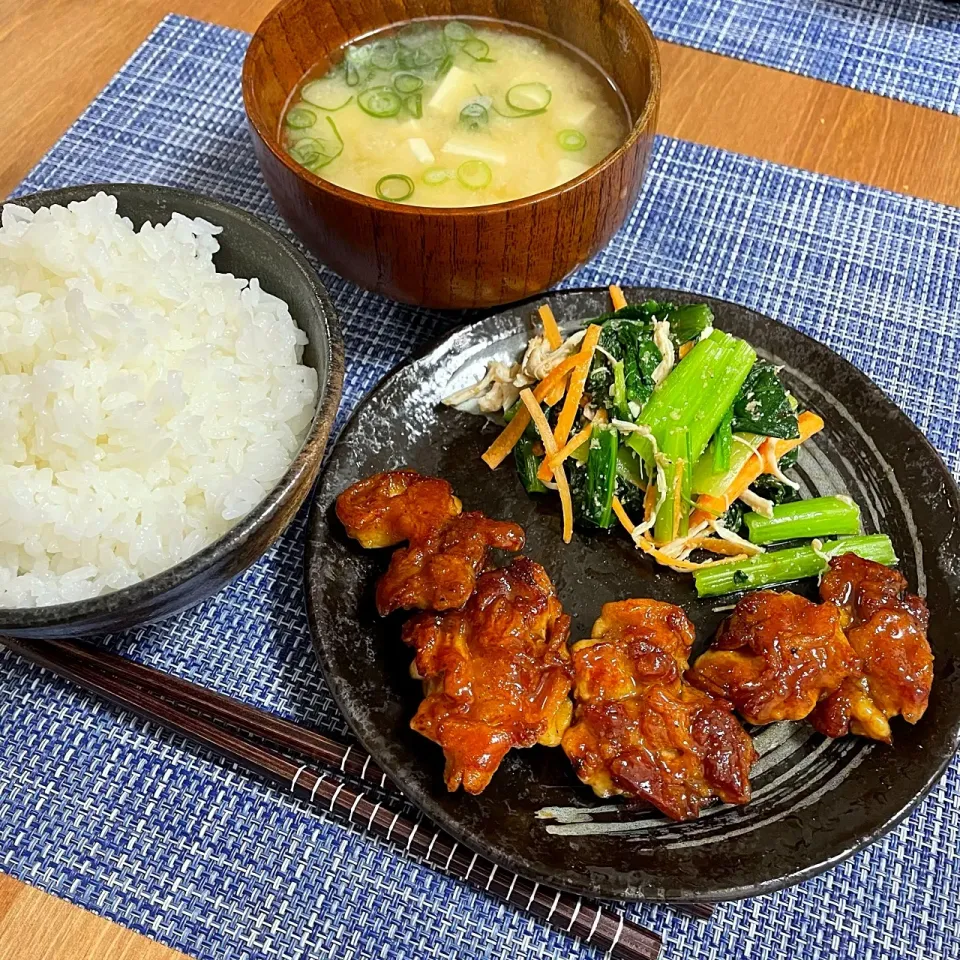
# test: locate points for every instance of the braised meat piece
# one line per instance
(887, 629)
(776, 657)
(496, 673)
(447, 549)
(639, 729)
(388, 508)
(440, 570)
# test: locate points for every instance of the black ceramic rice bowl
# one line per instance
(248, 248)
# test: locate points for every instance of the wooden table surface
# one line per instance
(56, 55)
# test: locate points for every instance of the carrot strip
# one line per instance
(621, 515)
(550, 329)
(716, 545)
(500, 449)
(550, 463)
(685, 348)
(616, 295)
(578, 380)
(555, 377)
(550, 446)
(710, 507)
(556, 394)
(662, 558)
(649, 501)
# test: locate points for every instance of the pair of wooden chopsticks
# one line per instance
(225, 726)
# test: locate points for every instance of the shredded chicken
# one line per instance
(500, 387)
(661, 337)
(538, 359)
(773, 467)
(725, 533)
(758, 504)
(496, 392)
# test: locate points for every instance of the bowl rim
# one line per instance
(328, 402)
(636, 132)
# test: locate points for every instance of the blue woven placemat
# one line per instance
(906, 49)
(119, 817)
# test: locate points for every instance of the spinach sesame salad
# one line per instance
(650, 418)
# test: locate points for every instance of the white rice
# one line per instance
(147, 402)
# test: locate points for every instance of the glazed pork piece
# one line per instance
(447, 549)
(389, 508)
(887, 629)
(439, 570)
(639, 730)
(849, 663)
(776, 657)
(496, 673)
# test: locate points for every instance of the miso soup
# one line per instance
(452, 113)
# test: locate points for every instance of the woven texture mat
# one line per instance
(905, 49)
(119, 817)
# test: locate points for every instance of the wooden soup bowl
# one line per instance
(442, 257)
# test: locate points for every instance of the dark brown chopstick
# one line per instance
(350, 759)
(589, 922)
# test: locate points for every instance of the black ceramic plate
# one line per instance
(815, 802)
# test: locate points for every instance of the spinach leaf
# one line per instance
(629, 342)
(789, 459)
(687, 323)
(648, 311)
(774, 490)
(733, 518)
(762, 406)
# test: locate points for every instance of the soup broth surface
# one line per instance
(454, 113)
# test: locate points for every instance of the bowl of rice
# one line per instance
(170, 369)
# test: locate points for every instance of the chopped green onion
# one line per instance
(793, 563)
(395, 187)
(414, 35)
(529, 97)
(299, 118)
(474, 116)
(518, 114)
(804, 519)
(414, 105)
(477, 49)
(379, 102)
(430, 50)
(443, 67)
(407, 82)
(435, 176)
(353, 74)
(474, 174)
(456, 31)
(306, 151)
(316, 152)
(571, 140)
(318, 93)
(383, 53)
